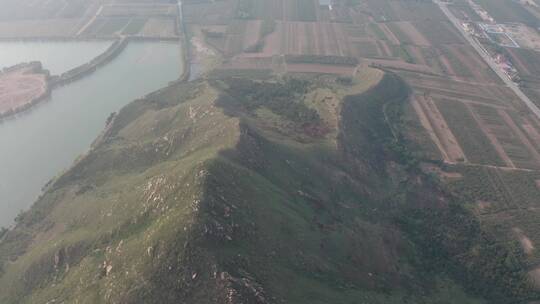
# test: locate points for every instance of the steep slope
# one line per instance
(237, 190)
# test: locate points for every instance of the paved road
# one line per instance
(487, 58)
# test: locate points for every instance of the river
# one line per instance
(39, 144)
(57, 57)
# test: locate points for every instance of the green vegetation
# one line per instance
(477, 147)
(401, 52)
(502, 199)
(398, 32)
(207, 192)
(379, 34)
(457, 244)
(283, 98)
(306, 10)
(268, 26)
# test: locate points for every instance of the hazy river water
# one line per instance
(39, 144)
(57, 57)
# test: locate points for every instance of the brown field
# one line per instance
(466, 64)
(285, 10)
(21, 87)
(321, 69)
(403, 10)
(314, 38)
(463, 90)
(159, 27)
(35, 10)
(39, 28)
(410, 34)
(464, 12)
(388, 33)
(399, 65)
(385, 49)
(139, 9)
(87, 18)
(236, 35)
(438, 32)
(209, 13)
(246, 62)
(365, 48)
(132, 19)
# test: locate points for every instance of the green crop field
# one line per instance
(477, 147)
(377, 32)
(398, 32)
(510, 142)
(400, 51)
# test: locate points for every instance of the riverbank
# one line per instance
(45, 140)
(81, 71)
(74, 74)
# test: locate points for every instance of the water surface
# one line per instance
(39, 144)
(57, 57)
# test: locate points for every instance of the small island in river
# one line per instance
(22, 86)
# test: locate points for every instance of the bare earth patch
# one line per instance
(20, 87)
(526, 243)
(534, 275)
(483, 205)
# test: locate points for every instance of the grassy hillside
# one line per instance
(237, 190)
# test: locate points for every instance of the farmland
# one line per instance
(459, 113)
(86, 19)
(476, 144)
(504, 201)
(359, 153)
(142, 20)
(285, 10)
(509, 11)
